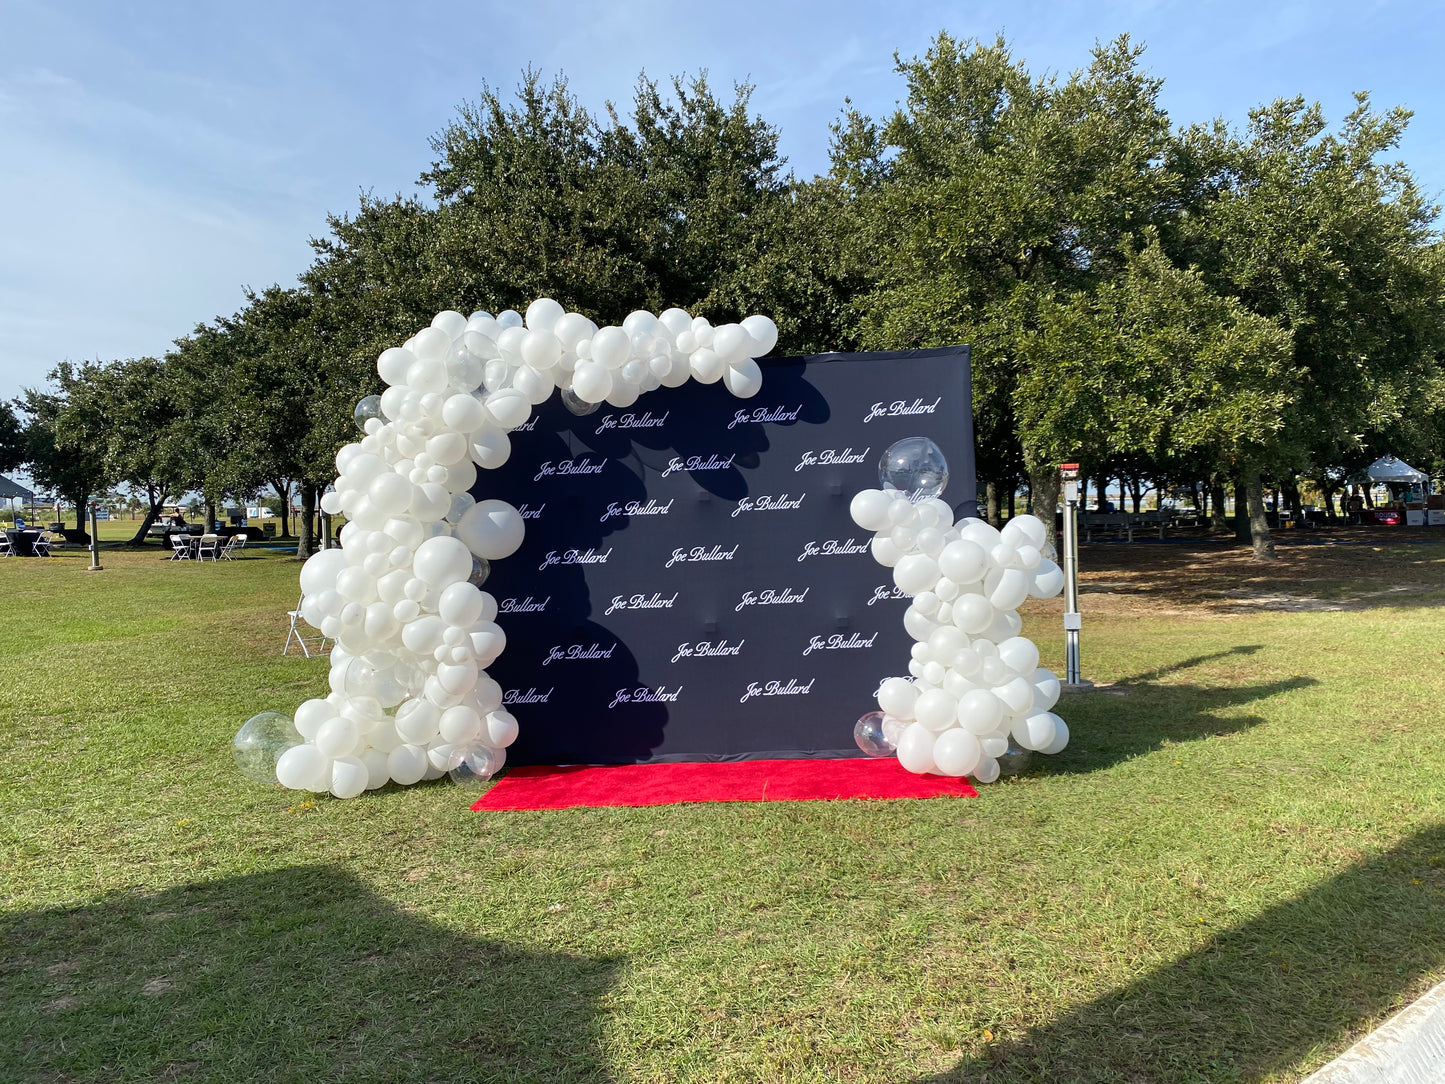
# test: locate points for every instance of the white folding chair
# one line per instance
(41, 546)
(208, 546)
(180, 547)
(234, 543)
(294, 633)
(6, 550)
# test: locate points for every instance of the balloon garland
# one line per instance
(410, 696)
(976, 683)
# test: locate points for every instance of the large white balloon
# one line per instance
(492, 530)
(443, 561)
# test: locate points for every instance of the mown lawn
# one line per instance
(1236, 868)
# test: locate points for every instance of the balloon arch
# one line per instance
(410, 697)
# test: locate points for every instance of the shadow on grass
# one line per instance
(1128, 720)
(1255, 1000)
(303, 974)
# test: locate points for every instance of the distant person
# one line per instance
(1356, 506)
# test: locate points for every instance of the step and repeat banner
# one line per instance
(691, 586)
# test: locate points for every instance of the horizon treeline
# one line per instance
(1194, 307)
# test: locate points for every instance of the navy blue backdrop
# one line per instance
(691, 586)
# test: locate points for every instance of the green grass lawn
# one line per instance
(1236, 868)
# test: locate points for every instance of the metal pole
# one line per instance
(95, 565)
(1073, 620)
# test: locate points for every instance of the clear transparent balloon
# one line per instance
(366, 409)
(260, 742)
(1016, 760)
(477, 768)
(868, 732)
(481, 569)
(915, 466)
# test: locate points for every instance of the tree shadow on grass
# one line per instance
(1137, 716)
(298, 975)
(1255, 1000)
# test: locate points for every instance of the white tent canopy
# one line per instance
(1389, 469)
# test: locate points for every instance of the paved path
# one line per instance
(1409, 1048)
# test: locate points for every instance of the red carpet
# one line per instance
(728, 781)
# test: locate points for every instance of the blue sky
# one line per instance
(155, 158)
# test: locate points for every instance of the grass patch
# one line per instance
(1237, 867)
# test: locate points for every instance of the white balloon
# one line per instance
(1046, 689)
(1061, 738)
(1048, 579)
(1019, 654)
(592, 381)
(972, 613)
(744, 378)
(464, 412)
(319, 572)
(987, 770)
(450, 323)
(442, 561)
(934, 708)
(418, 722)
(610, 347)
(349, 777)
(869, 509)
(1011, 589)
(491, 449)
(492, 530)
(393, 364)
(304, 767)
(544, 314)
(508, 407)
(884, 551)
(407, 764)
(461, 605)
(1024, 530)
(501, 729)
(980, 711)
(915, 749)
(957, 752)
(764, 334)
(915, 572)
(1035, 731)
(963, 561)
(897, 697)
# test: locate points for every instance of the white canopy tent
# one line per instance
(1388, 469)
(1401, 478)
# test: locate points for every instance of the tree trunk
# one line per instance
(283, 494)
(153, 511)
(1258, 524)
(1241, 510)
(307, 544)
(1044, 488)
(1292, 499)
(211, 516)
(1012, 493)
(1136, 492)
(1217, 522)
(1329, 499)
(81, 500)
(990, 490)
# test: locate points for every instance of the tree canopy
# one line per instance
(1187, 303)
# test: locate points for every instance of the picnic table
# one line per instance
(1124, 524)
